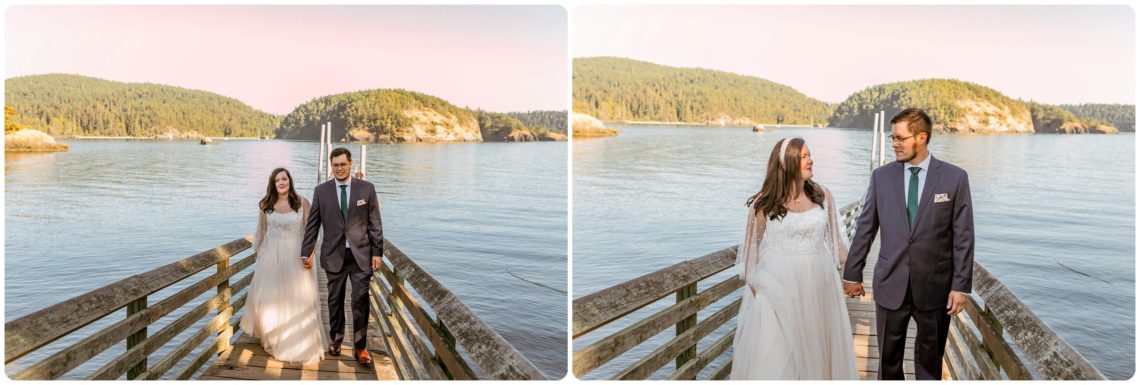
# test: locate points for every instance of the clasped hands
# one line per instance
(308, 262)
(954, 303)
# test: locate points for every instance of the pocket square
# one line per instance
(939, 198)
(361, 202)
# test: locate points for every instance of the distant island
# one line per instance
(78, 106)
(395, 115)
(618, 89)
(622, 90)
(958, 106)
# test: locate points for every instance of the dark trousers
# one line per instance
(929, 344)
(350, 272)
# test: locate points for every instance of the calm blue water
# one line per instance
(466, 213)
(1044, 206)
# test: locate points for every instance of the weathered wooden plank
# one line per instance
(252, 373)
(166, 363)
(602, 307)
(112, 370)
(986, 367)
(599, 353)
(445, 352)
(221, 343)
(496, 358)
(32, 331)
(660, 356)
(412, 366)
(722, 372)
(63, 361)
(994, 343)
(383, 316)
(956, 355)
(403, 325)
(689, 370)
(1053, 358)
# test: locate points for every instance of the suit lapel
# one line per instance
(927, 197)
(896, 183)
(353, 196)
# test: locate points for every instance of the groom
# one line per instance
(348, 211)
(921, 207)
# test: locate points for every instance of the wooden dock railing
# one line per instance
(31, 332)
(423, 339)
(997, 337)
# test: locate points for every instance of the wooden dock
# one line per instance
(996, 337)
(861, 311)
(248, 361)
(418, 329)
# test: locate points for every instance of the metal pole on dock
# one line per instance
(883, 137)
(874, 140)
(363, 160)
(328, 146)
(321, 156)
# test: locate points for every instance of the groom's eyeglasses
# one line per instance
(340, 165)
(896, 138)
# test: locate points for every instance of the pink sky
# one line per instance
(1052, 54)
(498, 58)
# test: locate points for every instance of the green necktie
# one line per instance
(344, 202)
(912, 196)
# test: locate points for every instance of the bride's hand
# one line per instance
(753, 289)
(307, 262)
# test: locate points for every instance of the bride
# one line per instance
(793, 322)
(282, 307)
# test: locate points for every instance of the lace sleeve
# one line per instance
(259, 235)
(305, 219)
(834, 236)
(748, 254)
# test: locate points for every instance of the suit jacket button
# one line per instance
(911, 240)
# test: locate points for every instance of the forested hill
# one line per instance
(1122, 116)
(60, 104)
(611, 88)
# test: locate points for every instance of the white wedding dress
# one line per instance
(796, 327)
(282, 308)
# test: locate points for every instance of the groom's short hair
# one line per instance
(917, 121)
(338, 152)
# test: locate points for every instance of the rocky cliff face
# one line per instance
(981, 116)
(431, 126)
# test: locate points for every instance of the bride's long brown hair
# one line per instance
(270, 198)
(779, 180)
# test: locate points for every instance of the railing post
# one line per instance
(223, 292)
(686, 324)
(137, 338)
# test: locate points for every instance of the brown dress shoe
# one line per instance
(334, 349)
(363, 357)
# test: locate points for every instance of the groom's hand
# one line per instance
(307, 262)
(956, 303)
(853, 289)
(375, 262)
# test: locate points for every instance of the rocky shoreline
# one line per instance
(28, 140)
